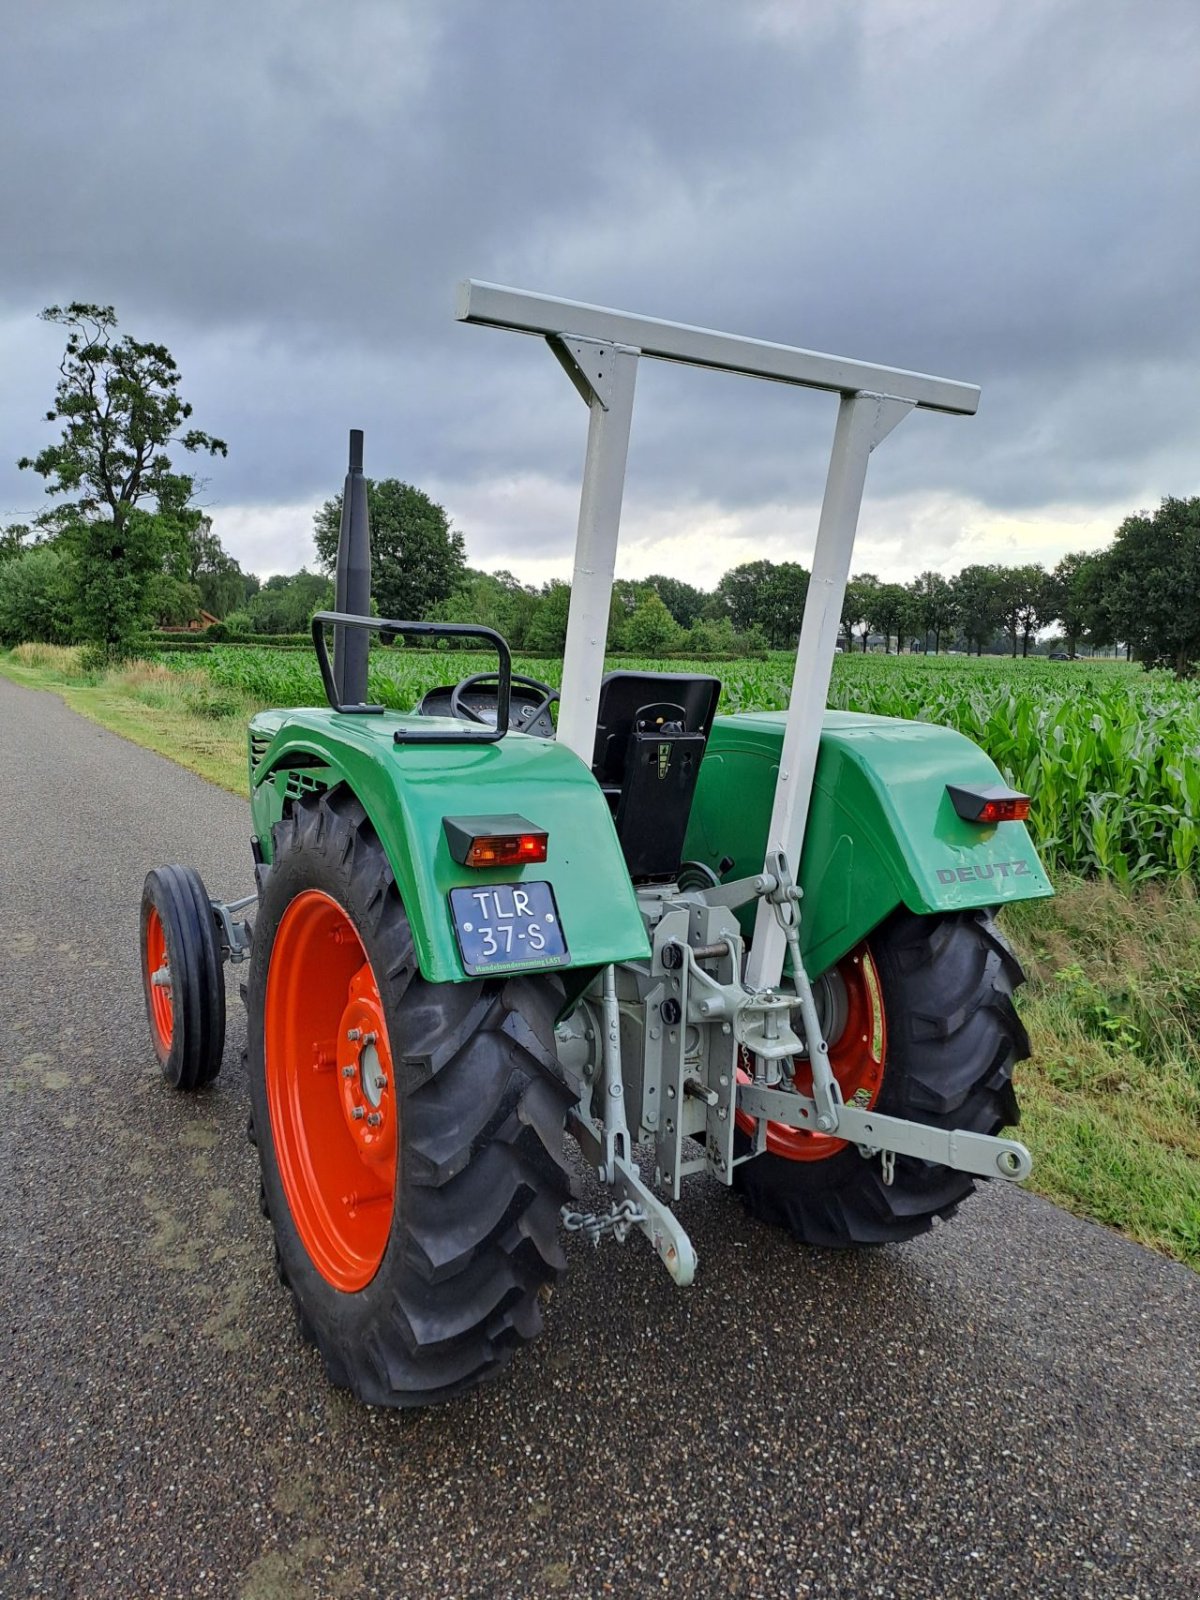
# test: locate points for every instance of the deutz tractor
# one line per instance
(758, 947)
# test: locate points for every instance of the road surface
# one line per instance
(1008, 1407)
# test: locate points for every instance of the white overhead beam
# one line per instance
(495, 306)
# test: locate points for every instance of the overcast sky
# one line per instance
(286, 194)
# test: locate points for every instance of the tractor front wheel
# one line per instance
(182, 977)
(410, 1134)
(925, 1028)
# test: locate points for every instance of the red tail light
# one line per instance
(513, 850)
(508, 841)
(996, 804)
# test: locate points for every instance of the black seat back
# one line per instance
(651, 730)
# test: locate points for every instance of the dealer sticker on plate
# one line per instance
(508, 927)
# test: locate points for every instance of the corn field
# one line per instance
(1110, 754)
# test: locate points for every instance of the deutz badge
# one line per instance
(664, 761)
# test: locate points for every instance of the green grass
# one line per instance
(1112, 1098)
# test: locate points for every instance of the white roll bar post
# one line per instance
(604, 374)
(599, 349)
(864, 420)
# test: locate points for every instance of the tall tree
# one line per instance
(1019, 594)
(683, 600)
(782, 603)
(417, 558)
(285, 602)
(119, 403)
(932, 606)
(889, 607)
(743, 590)
(977, 604)
(1149, 585)
(548, 625)
(493, 600)
(200, 559)
(14, 541)
(860, 605)
(1065, 596)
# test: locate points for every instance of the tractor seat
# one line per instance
(651, 730)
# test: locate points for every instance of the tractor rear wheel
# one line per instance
(925, 1029)
(182, 977)
(410, 1134)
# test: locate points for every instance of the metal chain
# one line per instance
(618, 1220)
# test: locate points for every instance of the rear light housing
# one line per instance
(988, 806)
(508, 841)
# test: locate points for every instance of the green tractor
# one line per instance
(758, 947)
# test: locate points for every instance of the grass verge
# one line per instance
(1111, 1098)
(176, 713)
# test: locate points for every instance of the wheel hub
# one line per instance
(365, 1066)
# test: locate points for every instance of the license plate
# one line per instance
(508, 927)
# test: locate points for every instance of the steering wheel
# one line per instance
(458, 708)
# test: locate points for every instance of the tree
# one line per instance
(1147, 586)
(286, 602)
(623, 601)
(977, 604)
(118, 400)
(1019, 601)
(548, 626)
(860, 601)
(742, 591)
(888, 606)
(198, 558)
(782, 604)
(685, 602)
(652, 629)
(417, 558)
(1065, 597)
(36, 596)
(171, 602)
(492, 600)
(14, 541)
(931, 606)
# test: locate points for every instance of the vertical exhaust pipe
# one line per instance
(353, 581)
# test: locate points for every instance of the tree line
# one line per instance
(124, 548)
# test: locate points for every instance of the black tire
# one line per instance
(480, 1173)
(189, 1035)
(953, 1038)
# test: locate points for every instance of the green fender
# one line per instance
(882, 831)
(406, 790)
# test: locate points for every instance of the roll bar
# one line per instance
(599, 348)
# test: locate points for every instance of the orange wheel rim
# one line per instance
(158, 982)
(330, 1092)
(857, 1057)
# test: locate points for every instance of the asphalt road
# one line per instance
(1008, 1407)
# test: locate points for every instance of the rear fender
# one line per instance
(882, 831)
(406, 791)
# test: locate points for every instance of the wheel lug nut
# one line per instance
(347, 1072)
(374, 1119)
(358, 1113)
(369, 1038)
(354, 1034)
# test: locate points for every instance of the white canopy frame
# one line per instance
(600, 348)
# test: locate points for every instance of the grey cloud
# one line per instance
(286, 195)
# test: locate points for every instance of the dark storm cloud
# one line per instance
(287, 193)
